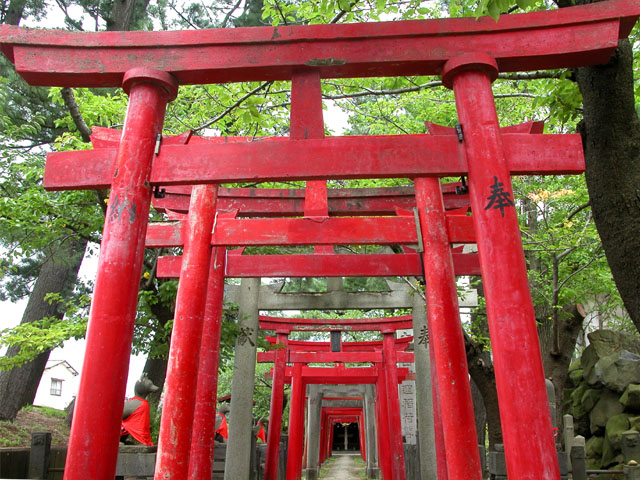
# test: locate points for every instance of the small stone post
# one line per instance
(578, 458)
(40, 455)
(244, 367)
(568, 433)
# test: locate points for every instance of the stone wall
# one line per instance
(604, 396)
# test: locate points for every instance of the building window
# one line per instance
(56, 387)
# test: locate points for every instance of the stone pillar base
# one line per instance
(312, 474)
(373, 473)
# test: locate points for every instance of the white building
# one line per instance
(58, 385)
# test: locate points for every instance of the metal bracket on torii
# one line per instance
(150, 65)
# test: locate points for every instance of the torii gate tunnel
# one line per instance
(468, 54)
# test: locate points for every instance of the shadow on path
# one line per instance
(345, 468)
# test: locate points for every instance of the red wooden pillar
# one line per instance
(331, 429)
(382, 426)
(323, 436)
(446, 336)
(393, 405)
(174, 444)
(363, 444)
(275, 409)
(296, 424)
(204, 418)
(514, 340)
(438, 431)
(93, 444)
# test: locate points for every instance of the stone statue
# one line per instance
(222, 429)
(136, 415)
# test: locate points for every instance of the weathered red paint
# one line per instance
(307, 122)
(174, 443)
(323, 265)
(311, 231)
(204, 417)
(393, 156)
(393, 405)
(93, 444)
(275, 411)
(272, 202)
(284, 324)
(359, 50)
(514, 340)
(300, 345)
(446, 336)
(382, 427)
(296, 424)
(441, 454)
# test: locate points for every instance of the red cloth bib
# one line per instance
(224, 429)
(137, 424)
(261, 435)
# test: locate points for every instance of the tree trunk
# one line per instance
(58, 274)
(611, 138)
(556, 366)
(14, 12)
(479, 412)
(482, 373)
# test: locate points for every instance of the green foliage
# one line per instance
(46, 334)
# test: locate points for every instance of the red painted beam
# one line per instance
(308, 346)
(330, 357)
(392, 156)
(372, 265)
(311, 231)
(342, 375)
(324, 357)
(568, 37)
(260, 202)
(282, 324)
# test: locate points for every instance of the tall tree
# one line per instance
(59, 262)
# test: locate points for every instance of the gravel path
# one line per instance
(344, 468)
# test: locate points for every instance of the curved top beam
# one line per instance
(568, 37)
(387, 324)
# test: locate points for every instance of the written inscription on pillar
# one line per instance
(407, 397)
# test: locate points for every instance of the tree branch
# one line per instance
(71, 104)
(228, 15)
(578, 210)
(342, 12)
(233, 107)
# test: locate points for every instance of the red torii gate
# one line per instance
(305, 352)
(202, 419)
(156, 237)
(570, 37)
(388, 446)
(386, 381)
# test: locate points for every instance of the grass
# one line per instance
(34, 419)
(362, 466)
(326, 466)
(47, 411)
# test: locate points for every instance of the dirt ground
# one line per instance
(344, 468)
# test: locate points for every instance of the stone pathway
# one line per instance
(344, 468)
